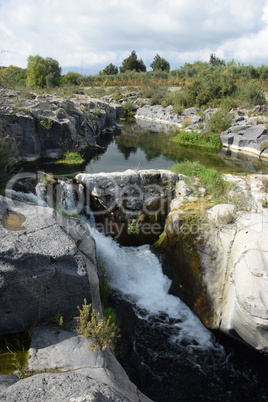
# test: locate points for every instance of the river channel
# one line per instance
(164, 348)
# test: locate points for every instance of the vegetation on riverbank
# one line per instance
(72, 158)
(220, 121)
(210, 179)
(202, 84)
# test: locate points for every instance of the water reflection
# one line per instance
(138, 147)
(246, 162)
(141, 148)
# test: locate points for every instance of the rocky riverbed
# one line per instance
(48, 125)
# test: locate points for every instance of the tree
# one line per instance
(215, 61)
(71, 78)
(53, 72)
(109, 70)
(42, 72)
(12, 76)
(132, 63)
(159, 63)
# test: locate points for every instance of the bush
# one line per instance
(219, 122)
(71, 78)
(251, 94)
(129, 110)
(102, 331)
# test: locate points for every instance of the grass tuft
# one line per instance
(72, 158)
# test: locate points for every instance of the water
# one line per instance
(165, 349)
(138, 148)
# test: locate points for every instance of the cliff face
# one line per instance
(48, 125)
(220, 261)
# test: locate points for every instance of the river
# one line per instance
(164, 347)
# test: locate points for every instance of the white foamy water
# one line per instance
(28, 197)
(137, 273)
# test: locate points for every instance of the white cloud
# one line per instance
(104, 31)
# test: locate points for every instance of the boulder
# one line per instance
(42, 270)
(253, 139)
(78, 372)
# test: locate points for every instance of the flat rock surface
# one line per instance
(84, 375)
(42, 271)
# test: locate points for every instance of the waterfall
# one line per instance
(137, 273)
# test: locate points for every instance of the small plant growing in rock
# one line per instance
(45, 123)
(133, 227)
(102, 332)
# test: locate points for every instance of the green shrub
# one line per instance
(72, 158)
(199, 139)
(219, 122)
(44, 123)
(251, 94)
(117, 95)
(129, 110)
(155, 92)
(102, 331)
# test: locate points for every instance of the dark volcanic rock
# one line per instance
(42, 271)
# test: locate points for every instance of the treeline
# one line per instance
(203, 84)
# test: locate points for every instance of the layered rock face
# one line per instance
(131, 205)
(253, 139)
(166, 115)
(48, 125)
(222, 261)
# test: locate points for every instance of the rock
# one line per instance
(155, 126)
(260, 109)
(57, 350)
(49, 258)
(253, 139)
(245, 311)
(189, 111)
(222, 262)
(39, 125)
(66, 387)
(158, 113)
(222, 213)
(6, 381)
(42, 271)
(121, 199)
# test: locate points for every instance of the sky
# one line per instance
(87, 35)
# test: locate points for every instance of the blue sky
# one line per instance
(86, 35)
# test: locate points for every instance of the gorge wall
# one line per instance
(48, 125)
